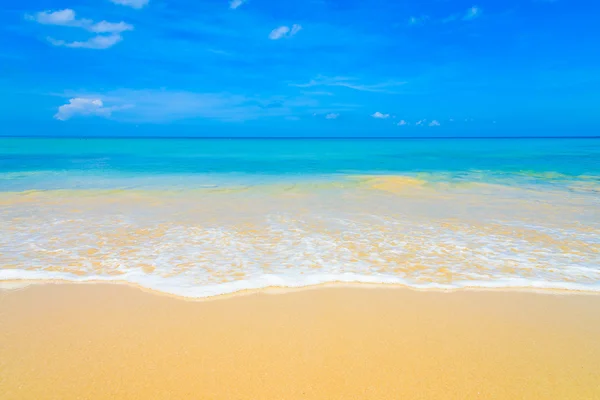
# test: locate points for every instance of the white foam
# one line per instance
(181, 287)
(206, 245)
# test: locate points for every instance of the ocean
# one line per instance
(204, 217)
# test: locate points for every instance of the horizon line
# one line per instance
(296, 137)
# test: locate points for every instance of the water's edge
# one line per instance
(270, 285)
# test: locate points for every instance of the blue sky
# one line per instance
(299, 68)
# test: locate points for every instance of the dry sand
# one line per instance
(100, 341)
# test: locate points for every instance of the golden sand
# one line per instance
(111, 341)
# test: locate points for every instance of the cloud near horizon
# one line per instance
(350, 83)
(82, 106)
(164, 106)
(379, 115)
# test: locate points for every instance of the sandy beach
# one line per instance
(96, 341)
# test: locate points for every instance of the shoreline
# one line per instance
(97, 341)
(20, 284)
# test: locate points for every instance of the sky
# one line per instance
(329, 68)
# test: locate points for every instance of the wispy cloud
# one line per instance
(82, 106)
(131, 3)
(472, 13)
(349, 83)
(110, 27)
(434, 123)
(284, 31)
(332, 116)
(450, 18)
(109, 33)
(67, 17)
(317, 93)
(295, 29)
(402, 123)
(412, 21)
(420, 122)
(158, 106)
(379, 115)
(99, 42)
(233, 4)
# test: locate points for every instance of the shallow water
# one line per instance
(204, 217)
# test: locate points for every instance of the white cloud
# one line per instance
(402, 123)
(421, 122)
(278, 33)
(379, 115)
(82, 106)
(472, 13)
(233, 4)
(332, 116)
(64, 17)
(67, 17)
(110, 27)
(284, 31)
(434, 123)
(99, 42)
(349, 83)
(131, 3)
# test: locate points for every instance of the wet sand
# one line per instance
(96, 341)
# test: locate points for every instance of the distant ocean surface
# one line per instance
(203, 217)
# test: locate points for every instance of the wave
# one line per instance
(180, 288)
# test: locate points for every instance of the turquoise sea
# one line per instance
(92, 163)
(202, 217)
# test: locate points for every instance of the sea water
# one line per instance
(203, 217)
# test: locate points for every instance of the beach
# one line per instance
(299, 200)
(98, 341)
